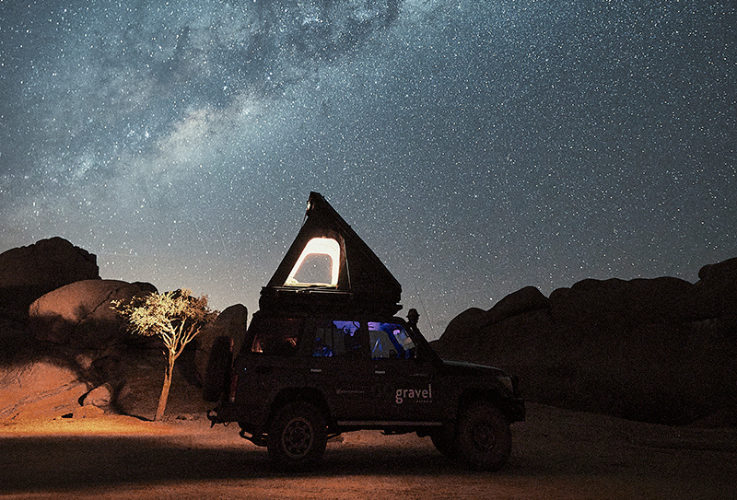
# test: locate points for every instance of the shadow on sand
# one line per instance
(32, 464)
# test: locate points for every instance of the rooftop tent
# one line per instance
(329, 265)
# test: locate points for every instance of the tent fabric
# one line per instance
(363, 283)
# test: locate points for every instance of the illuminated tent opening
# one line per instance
(319, 264)
(328, 266)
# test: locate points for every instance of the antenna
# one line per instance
(424, 309)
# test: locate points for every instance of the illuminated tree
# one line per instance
(174, 317)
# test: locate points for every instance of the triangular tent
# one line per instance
(330, 266)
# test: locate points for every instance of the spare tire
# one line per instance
(217, 373)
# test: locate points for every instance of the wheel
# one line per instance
(217, 373)
(297, 437)
(444, 440)
(483, 439)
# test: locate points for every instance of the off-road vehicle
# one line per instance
(324, 356)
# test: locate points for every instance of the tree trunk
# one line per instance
(165, 389)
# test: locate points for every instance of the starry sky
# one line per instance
(477, 147)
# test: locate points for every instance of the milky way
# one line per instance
(477, 147)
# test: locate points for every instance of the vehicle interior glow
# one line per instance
(318, 246)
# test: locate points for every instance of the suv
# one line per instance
(325, 354)
(301, 378)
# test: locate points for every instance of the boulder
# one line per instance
(526, 299)
(463, 335)
(468, 332)
(615, 301)
(101, 396)
(79, 315)
(717, 290)
(657, 350)
(722, 274)
(39, 389)
(27, 273)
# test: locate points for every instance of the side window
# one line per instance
(277, 336)
(390, 341)
(337, 338)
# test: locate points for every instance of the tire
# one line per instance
(483, 439)
(297, 437)
(444, 440)
(217, 373)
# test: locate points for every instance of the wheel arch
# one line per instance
(490, 395)
(298, 394)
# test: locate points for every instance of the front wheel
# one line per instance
(297, 437)
(483, 438)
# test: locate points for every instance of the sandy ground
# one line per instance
(557, 454)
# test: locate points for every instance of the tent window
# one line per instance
(318, 265)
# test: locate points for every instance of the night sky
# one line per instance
(476, 146)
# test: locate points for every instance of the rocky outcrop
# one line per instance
(614, 301)
(79, 315)
(76, 328)
(659, 350)
(27, 273)
(102, 396)
(91, 367)
(41, 389)
(527, 299)
(64, 352)
(717, 290)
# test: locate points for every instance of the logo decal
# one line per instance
(416, 395)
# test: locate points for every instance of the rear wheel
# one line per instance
(297, 437)
(217, 373)
(483, 440)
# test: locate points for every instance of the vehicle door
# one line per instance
(402, 381)
(272, 360)
(340, 367)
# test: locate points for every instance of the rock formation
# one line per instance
(79, 315)
(659, 350)
(26, 273)
(39, 389)
(64, 352)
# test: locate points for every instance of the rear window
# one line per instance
(337, 338)
(277, 336)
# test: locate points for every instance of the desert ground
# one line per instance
(557, 454)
